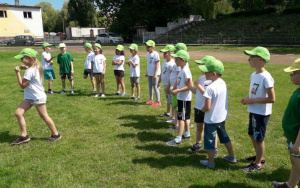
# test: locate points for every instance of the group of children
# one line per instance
(211, 100)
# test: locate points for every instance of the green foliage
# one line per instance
(50, 16)
(82, 11)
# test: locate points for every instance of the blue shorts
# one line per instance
(290, 145)
(258, 126)
(87, 72)
(49, 75)
(210, 131)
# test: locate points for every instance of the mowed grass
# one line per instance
(116, 142)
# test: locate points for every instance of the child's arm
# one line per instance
(92, 68)
(207, 104)
(72, 68)
(269, 99)
(117, 62)
(22, 82)
(168, 88)
(156, 68)
(189, 84)
(296, 148)
(159, 81)
(104, 67)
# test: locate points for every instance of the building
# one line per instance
(84, 32)
(20, 20)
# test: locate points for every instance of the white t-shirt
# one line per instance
(89, 57)
(34, 89)
(258, 89)
(98, 60)
(152, 58)
(166, 71)
(217, 92)
(200, 99)
(173, 75)
(135, 72)
(184, 73)
(46, 65)
(119, 58)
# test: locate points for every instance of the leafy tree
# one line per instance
(49, 15)
(82, 11)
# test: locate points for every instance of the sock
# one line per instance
(178, 139)
(187, 133)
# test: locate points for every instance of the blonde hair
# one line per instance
(36, 64)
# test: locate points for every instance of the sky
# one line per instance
(57, 4)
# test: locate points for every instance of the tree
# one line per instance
(49, 15)
(82, 11)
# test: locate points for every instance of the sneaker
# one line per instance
(172, 128)
(72, 92)
(54, 138)
(173, 143)
(186, 137)
(63, 92)
(252, 168)
(93, 91)
(149, 101)
(195, 147)
(50, 92)
(132, 97)
(207, 164)
(216, 155)
(137, 99)
(230, 159)
(97, 95)
(123, 94)
(102, 95)
(156, 104)
(253, 158)
(171, 120)
(165, 115)
(117, 93)
(281, 184)
(21, 140)
(191, 125)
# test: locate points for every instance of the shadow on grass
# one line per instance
(281, 174)
(124, 102)
(224, 184)
(166, 150)
(5, 137)
(143, 122)
(145, 136)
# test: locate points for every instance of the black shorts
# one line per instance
(119, 73)
(64, 75)
(258, 126)
(184, 110)
(198, 116)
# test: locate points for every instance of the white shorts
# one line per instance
(37, 101)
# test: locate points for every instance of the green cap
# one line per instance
(134, 47)
(88, 45)
(168, 48)
(180, 46)
(213, 65)
(204, 60)
(120, 47)
(26, 52)
(98, 45)
(46, 44)
(259, 51)
(295, 66)
(182, 54)
(150, 43)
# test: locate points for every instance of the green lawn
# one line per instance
(116, 142)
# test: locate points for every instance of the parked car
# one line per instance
(21, 40)
(108, 38)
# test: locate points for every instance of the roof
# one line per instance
(19, 6)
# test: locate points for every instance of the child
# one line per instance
(118, 62)
(184, 97)
(34, 94)
(98, 69)
(260, 99)
(153, 71)
(216, 110)
(65, 61)
(134, 64)
(87, 65)
(47, 66)
(165, 77)
(291, 128)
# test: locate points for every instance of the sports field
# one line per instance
(116, 142)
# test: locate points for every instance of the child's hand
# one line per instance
(23, 67)
(146, 75)
(103, 72)
(245, 101)
(197, 82)
(72, 72)
(17, 69)
(53, 56)
(174, 92)
(168, 90)
(51, 63)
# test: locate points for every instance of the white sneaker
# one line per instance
(94, 91)
(72, 92)
(171, 120)
(97, 95)
(102, 95)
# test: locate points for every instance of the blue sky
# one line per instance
(57, 4)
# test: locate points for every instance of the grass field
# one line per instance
(116, 142)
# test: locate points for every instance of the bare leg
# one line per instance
(169, 108)
(199, 132)
(102, 83)
(229, 149)
(72, 84)
(93, 82)
(132, 89)
(50, 84)
(295, 172)
(63, 82)
(187, 125)
(42, 110)
(260, 148)
(122, 84)
(118, 84)
(211, 158)
(180, 127)
(138, 90)
(23, 107)
(97, 83)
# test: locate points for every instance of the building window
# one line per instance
(3, 14)
(27, 14)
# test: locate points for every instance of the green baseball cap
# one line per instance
(180, 46)
(150, 43)
(46, 44)
(134, 47)
(120, 47)
(259, 51)
(88, 45)
(168, 48)
(182, 54)
(213, 65)
(98, 45)
(26, 52)
(204, 60)
(295, 66)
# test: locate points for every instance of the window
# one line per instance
(3, 14)
(27, 14)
